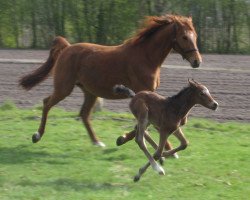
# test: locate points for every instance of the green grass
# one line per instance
(64, 164)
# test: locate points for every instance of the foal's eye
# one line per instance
(185, 37)
(202, 94)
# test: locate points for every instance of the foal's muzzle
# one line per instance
(215, 105)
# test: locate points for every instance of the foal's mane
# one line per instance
(154, 23)
(185, 90)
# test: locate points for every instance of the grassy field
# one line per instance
(64, 164)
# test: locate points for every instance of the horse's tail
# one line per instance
(32, 79)
(121, 89)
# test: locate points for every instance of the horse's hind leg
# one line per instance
(61, 90)
(48, 103)
(89, 102)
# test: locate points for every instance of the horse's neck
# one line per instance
(158, 46)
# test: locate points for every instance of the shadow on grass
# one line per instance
(108, 155)
(63, 184)
(21, 154)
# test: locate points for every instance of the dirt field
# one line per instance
(226, 76)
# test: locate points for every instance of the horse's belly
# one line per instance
(102, 85)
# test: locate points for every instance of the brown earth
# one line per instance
(226, 76)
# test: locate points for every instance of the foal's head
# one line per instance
(202, 96)
(185, 42)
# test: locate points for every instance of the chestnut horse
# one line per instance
(96, 68)
(167, 115)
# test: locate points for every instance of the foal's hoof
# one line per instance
(36, 137)
(120, 141)
(136, 178)
(175, 155)
(159, 169)
(99, 144)
(161, 172)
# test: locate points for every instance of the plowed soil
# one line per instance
(226, 76)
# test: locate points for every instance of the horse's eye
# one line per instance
(202, 93)
(185, 37)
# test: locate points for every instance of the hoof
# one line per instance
(162, 172)
(120, 141)
(36, 137)
(137, 178)
(159, 169)
(175, 155)
(99, 144)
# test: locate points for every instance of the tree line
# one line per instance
(222, 26)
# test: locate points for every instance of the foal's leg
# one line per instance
(125, 138)
(154, 145)
(140, 140)
(184, 143)
(168, 147)
(157, 156)
(129, 136)
(150, 140)
(89, 102)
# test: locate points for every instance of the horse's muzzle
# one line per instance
(195, 64)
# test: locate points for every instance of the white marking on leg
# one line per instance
(99, 144)
(158, 168)
(175, 155)
(37, 136)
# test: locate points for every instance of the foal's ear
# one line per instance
(192, 83)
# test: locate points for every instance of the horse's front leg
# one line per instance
(184, 143)
(157, 156)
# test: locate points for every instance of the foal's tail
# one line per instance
(121, 89)
(30, 80)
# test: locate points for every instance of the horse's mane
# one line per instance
(154, 23)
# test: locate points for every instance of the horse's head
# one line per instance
(202, 95)
(185, 41)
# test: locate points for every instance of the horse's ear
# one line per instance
(190, 18)
(163, 20)
(192, 83)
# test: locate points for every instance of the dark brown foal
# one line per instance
(167, 115)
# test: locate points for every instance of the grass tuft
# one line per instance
(7, 105)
